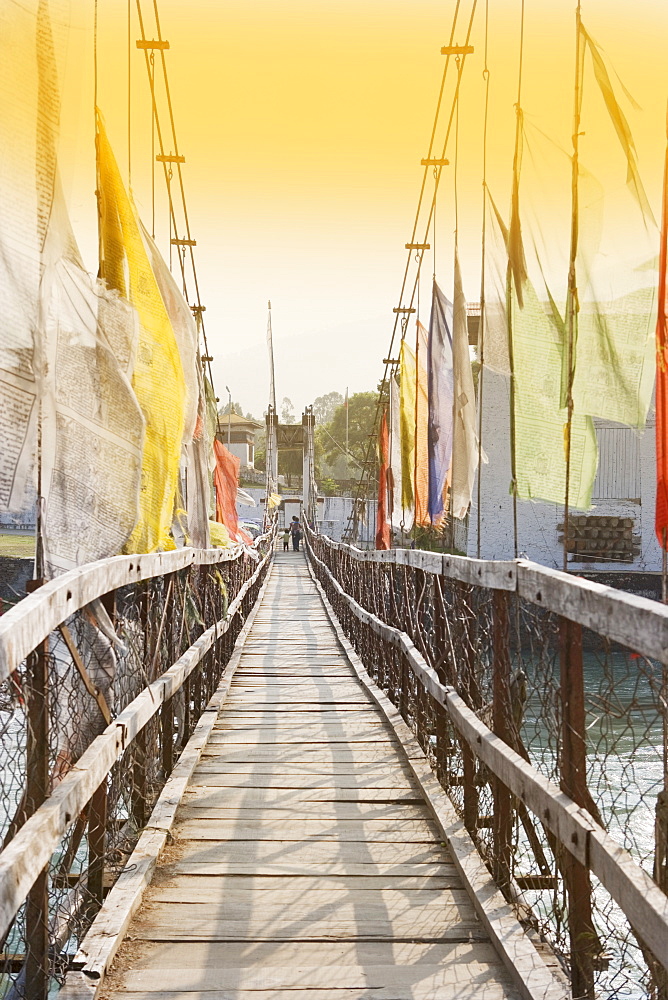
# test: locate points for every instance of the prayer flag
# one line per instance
(382, 523)
(465, 439)
(620, 124)
(158, 380)
(421, 426)
(398, 517)
(407, 417)
(540, 421)
(226, 481)
(440, 399)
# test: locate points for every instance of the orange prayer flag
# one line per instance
(226, 481)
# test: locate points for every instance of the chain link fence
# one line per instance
(67, 692)
(587, 713)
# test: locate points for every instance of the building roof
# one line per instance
(236, 420)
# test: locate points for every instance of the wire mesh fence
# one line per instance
(586, 712)
(89, 670)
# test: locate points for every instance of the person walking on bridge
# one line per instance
(296, 532)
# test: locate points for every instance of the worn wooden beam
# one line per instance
(30, 621)
(644, 904)
(636, 622)
(31, 849)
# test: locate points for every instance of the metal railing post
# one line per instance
(502, 726)
(573, 781)
(37, 789)
(97, 829)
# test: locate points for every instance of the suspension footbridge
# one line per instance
(321, 781)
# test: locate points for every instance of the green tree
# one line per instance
(361, 423)
(324, 407)
(287, 411)
(236, 408)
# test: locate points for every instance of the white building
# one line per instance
(616, 534)
(240, 432)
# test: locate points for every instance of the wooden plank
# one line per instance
(209, 886)
(203, 922)
(314, 852)
(336, 738)
(276, 795)
(424, 980)
(194, 806)
(258, 867)
(480, 991)
(190, 890)
(299, 754)
(292, 771)
(339, 780)
(339, 831)
(220, 955)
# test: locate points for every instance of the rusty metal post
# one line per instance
(573, 781)
(37, 790)
(97, 828)
(472, 697)
(139, 785)
(167, 737)
(502, 725)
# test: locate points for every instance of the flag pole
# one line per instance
(661, 345)
(347, 436)
(572, 301)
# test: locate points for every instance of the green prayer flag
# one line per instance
(540, 420)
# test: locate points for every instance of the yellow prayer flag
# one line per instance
(158, 380)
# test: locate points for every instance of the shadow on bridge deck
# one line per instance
(306, 863)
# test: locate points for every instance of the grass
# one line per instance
(18, 546)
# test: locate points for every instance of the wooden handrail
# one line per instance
(30, 621)
(644, 904)
(636, 622)
(32, 847)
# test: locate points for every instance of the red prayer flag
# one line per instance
(382, 524)
(661, 520)
(226, 481)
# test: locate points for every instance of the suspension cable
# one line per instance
(403, 310)
(509, 280)
(481, 322)
(185, 244)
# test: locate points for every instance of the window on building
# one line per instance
(618, 476)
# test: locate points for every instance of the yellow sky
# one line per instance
(304, 124)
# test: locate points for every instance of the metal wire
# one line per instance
(121, 647)
(473, 637)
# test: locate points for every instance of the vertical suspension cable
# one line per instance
(509, 282)
(129, 40)
(197, 306)
(152, 79)
(95, 63)
(450, 522)
(399, 323)
(481, 323)
(366, 466)
(572, 297)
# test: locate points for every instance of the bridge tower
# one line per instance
(293, 437)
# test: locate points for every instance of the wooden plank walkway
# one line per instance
(306, 864)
